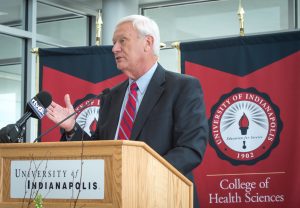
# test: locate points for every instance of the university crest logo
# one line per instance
(244, 126)
(87, 117)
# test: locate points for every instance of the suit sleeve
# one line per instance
(79, 135)
(190, 128)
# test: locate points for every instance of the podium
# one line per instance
(135, 176)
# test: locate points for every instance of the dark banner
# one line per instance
(252, 93)
(82, 72)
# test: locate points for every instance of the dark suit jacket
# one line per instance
(171, 119)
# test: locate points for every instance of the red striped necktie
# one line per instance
(128, 114)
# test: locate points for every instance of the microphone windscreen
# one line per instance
(38, 104)
(45, 98)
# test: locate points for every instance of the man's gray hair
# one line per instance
(145, 26)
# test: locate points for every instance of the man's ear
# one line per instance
(149, 41)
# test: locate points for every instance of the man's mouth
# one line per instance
(118, 58)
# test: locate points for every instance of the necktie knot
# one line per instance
(133, 86)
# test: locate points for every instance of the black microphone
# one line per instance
(36, 108)
(101, 96)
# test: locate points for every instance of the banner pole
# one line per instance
(98, 28)
(177, 46)
(37, 65)
(240, 14)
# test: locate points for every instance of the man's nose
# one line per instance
(116, 48)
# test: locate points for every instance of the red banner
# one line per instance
(251, 88)
(82, 72)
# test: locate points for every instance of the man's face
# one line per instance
(128, 48)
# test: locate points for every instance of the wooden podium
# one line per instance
(135, 175)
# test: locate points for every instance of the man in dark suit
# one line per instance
(166, 109)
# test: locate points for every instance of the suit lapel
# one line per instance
(153, 93)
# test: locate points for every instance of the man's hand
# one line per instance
(57, 113)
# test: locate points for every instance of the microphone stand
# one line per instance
(53, 127)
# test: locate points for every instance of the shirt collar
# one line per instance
(144, 80)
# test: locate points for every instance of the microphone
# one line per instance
(36, 108)
(104, 92)
(8, 132)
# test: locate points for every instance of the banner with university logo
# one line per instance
(252, 94)
(82, 72)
